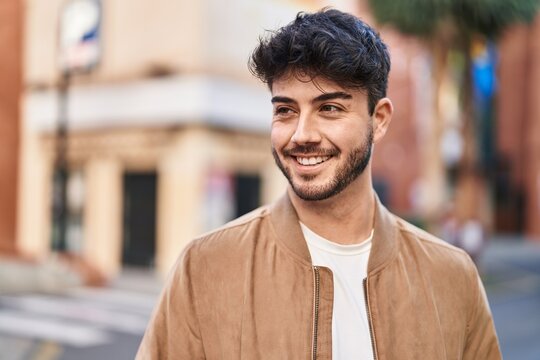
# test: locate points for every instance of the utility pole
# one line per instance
(61, 171)
(79, 52)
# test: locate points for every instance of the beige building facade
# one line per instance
(168, 135)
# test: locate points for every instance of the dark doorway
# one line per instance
(139, 244)
(247, 197)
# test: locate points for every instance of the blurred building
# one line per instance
(10, 88)
(517, 186)
(168, 135)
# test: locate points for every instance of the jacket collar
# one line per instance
(289, 234)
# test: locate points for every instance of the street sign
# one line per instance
(79, 43)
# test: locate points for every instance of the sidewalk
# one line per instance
(507, 259)
(54, 274)
(23, 276)
(510, 270)
(79, 322)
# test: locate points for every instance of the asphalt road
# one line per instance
(79, 323)
(511, 274)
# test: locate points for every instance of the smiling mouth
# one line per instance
(311, 160)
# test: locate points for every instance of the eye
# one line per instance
(330, 108)
(283, 110)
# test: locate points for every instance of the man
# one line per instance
(326, 272)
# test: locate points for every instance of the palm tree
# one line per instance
(453, 26)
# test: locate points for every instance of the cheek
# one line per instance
(280, 135)
(344, 137)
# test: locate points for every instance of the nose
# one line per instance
(306, 131)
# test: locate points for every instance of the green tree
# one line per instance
(452, 26)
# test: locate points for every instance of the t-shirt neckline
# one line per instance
(314, 239)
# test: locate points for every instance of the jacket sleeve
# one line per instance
(481, 343)
(173, 331)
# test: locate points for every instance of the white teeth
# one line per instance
(312, 160)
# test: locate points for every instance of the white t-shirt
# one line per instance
(351, 338)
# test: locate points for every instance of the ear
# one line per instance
(382, 115)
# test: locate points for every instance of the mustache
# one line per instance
(309, 149)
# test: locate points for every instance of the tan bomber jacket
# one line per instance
(249, 291)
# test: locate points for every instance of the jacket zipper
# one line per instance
(316, 286)
(371, 334)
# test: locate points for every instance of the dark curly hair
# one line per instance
(328, 43)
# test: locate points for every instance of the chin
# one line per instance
(314, 192)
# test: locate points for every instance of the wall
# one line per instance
(10, 89)
(518, 126)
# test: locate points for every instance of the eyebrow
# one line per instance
(332, 96)
(322, 97)
(282, 99)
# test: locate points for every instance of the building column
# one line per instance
(10, 91)
(35, 196)
(181, 194)
(103, 215)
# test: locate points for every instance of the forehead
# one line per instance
(293, 81)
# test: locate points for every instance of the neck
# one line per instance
(345, 218)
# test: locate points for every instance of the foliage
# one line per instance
(415, 17)
(425, 17)
(491, 17)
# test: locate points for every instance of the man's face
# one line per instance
(322, 135)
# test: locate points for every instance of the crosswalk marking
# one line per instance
(80, 317)
(113, 318)
(22, 324)
(136, 301)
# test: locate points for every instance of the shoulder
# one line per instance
(238, 224)
(235, 230)
(216, 263)
(409, 230)
(446, 266)
(230, 241)
(436, 250)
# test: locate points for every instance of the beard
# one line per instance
(345, 174)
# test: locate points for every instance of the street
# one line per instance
(108, 323)
(80, 323)
(511, 273)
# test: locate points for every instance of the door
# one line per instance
(247, 197)
(139, 241)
